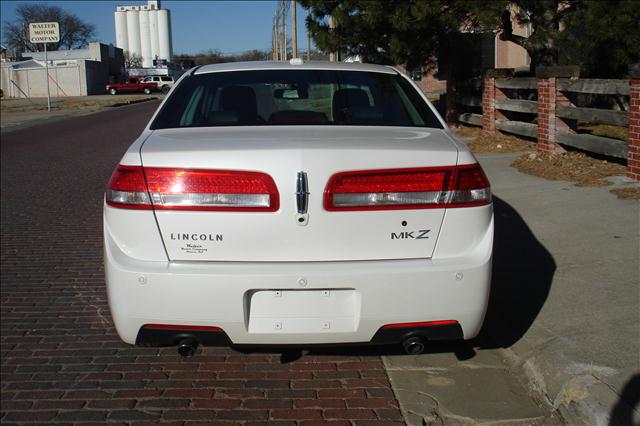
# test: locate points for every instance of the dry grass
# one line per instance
(577, 168)
(605, 130)
(631, 193)
(71, 103)
(570, 166)
(480, 142)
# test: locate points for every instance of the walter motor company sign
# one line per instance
(44, 32)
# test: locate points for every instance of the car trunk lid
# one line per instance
(286, 154)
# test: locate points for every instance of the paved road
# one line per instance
(61, 358)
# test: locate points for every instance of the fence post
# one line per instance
(548, 97)
(489, 95)
(633, 132)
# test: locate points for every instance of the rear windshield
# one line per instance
(294, 97)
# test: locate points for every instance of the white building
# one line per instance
(144, 31)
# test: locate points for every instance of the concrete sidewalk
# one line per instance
(561, 342)
(574, 316)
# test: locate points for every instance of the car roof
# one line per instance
(311, 65)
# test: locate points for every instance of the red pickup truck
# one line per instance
(132, 85)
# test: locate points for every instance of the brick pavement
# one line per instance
(62, 361)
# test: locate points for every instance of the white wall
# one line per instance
(63, 81)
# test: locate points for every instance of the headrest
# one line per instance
(345, 99)
(241, 99)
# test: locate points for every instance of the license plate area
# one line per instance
(303, 311)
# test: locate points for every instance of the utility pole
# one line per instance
(284, 33)
(333, 56)
(274, 36)
(308, 45)
(294, 31)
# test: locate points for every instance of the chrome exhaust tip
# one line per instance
(187, 347)
(413, 346)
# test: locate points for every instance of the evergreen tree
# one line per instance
(599, 35)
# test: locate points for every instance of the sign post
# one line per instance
(45, 32)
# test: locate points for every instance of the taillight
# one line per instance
(415, 188)
(470, 187)
(198, 189)
(127, 189)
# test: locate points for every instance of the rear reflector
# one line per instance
(192, 189)
(182, 327)
(420, 324)
(417, 188)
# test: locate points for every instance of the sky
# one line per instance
(229, 26)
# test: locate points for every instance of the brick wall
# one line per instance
(430, 84)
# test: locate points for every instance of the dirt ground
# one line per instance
(571, 166)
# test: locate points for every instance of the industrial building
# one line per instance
(145, 31)
(76, 72)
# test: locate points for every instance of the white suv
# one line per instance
(164, 82)
(297, 204)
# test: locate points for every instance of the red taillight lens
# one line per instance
(194, 189)
(470, 188)
(417, 188)
(191, 189)
(127, 188)
(421, 324)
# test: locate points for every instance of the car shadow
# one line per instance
(622, 412)
(523, 270)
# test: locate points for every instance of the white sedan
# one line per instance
(297, 204)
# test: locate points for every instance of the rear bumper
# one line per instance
(219, 294)
(170, 336)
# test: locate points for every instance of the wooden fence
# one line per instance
(544, 108)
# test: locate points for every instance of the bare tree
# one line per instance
(74, 33)
(132, 60)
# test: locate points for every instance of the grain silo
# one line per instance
(122, 40)
(144, 31)
(164, 30)
(133, 32)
